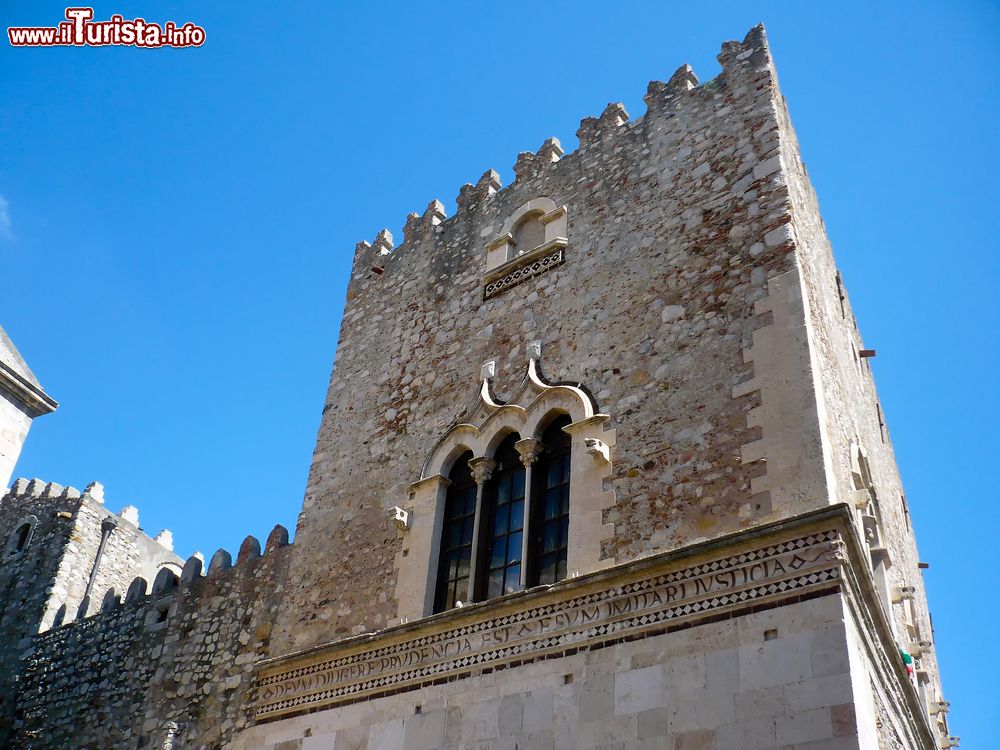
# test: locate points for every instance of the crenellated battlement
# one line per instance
(30, 491)
(179, 644)
(84, 581)
(668, 98)
(221, 571)
(43, 504)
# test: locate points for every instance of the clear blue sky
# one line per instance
(177, 228)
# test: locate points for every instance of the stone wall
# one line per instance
(858, 453)
(776, 678)
(25, 578)
(14, 425)
(677, 229)
(45, 582)
(22, 399)
(172, 668)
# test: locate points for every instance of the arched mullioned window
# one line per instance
(503, 518)
(501, 511)
(455, 558)
(550, 506)
(515, 531)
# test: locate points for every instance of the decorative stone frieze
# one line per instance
(524, 267)
(631, 601)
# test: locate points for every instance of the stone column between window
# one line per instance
(529, 450)
(482, 470)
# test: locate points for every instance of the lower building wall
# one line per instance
(777, 678)
(169, 670)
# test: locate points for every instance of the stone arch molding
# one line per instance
(526, 412)
(529, 410)
(502, 251)
(541, 206)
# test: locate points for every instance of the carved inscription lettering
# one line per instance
(625, 607)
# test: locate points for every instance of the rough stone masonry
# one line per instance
(669, 288)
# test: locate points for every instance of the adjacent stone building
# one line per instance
(601, 465)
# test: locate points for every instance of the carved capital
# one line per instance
(482, 469)
(529, 449)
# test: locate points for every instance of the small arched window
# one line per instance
(20, 538)
(23, 536)
(503, 517)
(455, 558)
(529, 233)
(550, 501)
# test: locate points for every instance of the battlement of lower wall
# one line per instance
(172, 654)
(93, 606)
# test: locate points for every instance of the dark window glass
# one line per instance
(456, 536)
(503, 518)
(22, 536)
(550, 517)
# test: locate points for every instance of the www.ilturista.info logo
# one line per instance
(80, 30)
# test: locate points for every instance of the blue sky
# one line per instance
(177, 227)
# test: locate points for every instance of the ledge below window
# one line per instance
(524, 267)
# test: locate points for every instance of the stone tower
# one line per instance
(736, 530)
(22, 398)
(601, 465)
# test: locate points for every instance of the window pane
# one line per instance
(496, 583)
(550, 536)
(514, 548)
(513, 582)
(517, 516)
(518, 482)
(463, 563)
(498, 554)
(552, 504)
(503, 490)
(469, 501)
(553, 475)
(501, 519)
(467, 528)
(547, 569)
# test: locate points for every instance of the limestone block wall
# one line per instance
(774, 678)
(14, 426)
(678, 255)
(172, 668)
(857, 449)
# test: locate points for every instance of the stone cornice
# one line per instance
(864, 602)
(35, 401)
(526, 258)
(762, 566)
